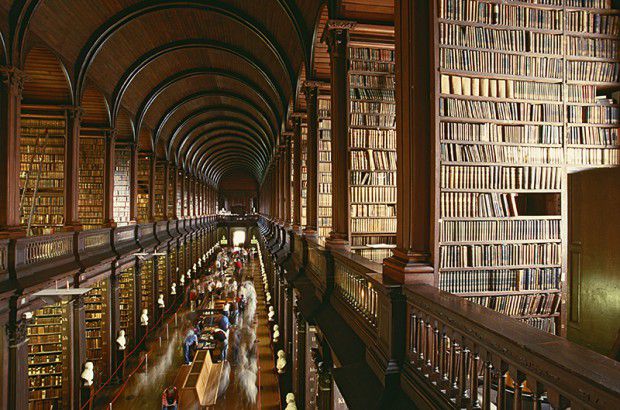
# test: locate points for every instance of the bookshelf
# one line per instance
(372, 150)
(182, 259)
(171, 198)
(304, 173)
(127, 304)
(48, 357)
(172, 262)
(520, 102)
(325, 167)
(42, 171)
(185, 196)
(158, 190)
(144, 195)
(179, 198)
(161, 276)
(97, 334)
(91, 181)
(122, 184)
(146, 288)
(292, 179)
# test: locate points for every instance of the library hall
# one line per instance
(310, 204)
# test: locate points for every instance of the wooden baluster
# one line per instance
(422, 343)
(537, 390)
(429, 345)
(445, 356)
(437, 352)
(501, 388)
(473, 380)
(486, 386)
(456, 355)
(462, 385)
(518, 391)
(414, 334)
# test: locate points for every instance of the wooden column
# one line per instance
(175, 188)
(311, 91)
(166, 191)
(276, 178)
(183, 197)
(110, 159)
(296, 196)
(411, 262)
(196, 196)
(72, 169)
(299, 380)
(337, 43)
(287, 182)
(77, 349)
(17, 335)
(11, 89)
(133, 183)
(152, 168)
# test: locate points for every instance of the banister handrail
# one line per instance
(469, 354)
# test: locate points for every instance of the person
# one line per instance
(169, 399)
(190, 340)
(224, 322)
(234, 313)
(193, 295)
(201, 293)
(221, 339)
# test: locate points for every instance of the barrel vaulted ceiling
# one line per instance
(206, 84)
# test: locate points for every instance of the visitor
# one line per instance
(169, 399)
(191, 340)
(221, 340)
(193, 295)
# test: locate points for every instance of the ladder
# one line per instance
(39, 161)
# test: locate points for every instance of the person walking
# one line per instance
(169, 399)
(190, 340)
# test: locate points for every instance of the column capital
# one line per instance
(14, 78)
(336, 36)
(17, 333)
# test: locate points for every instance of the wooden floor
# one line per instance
(143, 390)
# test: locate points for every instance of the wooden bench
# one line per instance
(201, 382)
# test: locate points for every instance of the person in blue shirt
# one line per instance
(190, 340)
(224, 322)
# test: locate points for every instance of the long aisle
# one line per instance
(268, 396)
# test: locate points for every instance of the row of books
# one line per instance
(500, 177)
(506, 64)
(371, 54)
(546, 324)
(504, 14)
(48, 161)
(591, 22)
(500, 230)
(373, 178)
(491, 132)
(513, 40)
(478, 205)
(375, 225)
(372, 81)
(505, 111)
(365, 240)
(372, 66)
(592, 156)
(592, 47)
(500, 280)
(373, 210)
(371, 195)
(501, 153)
(373, 120)
(365, 138)
(122, 185)
(521, 305)
(592, 136)
(372, 94)
(597, 71)
(373, 107)
(596, 114)
(374, 254)
(463, 256)
(373, 160)
(500, 88)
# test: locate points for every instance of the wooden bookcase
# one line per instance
(48, 357)
(171, 198)
(304, 173)
(372, 149)
(122, 184)
(159, 188)
(519, 103)
(147, 299)
(91, 181)
(126, 297)
(324, 161)
(97, 327)
(179, 198)
(162, 266)
(42, 170)
(144, 194)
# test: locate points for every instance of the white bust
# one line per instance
(194, 267)
(271, 313)
(189, 274)
(290, 402)
(268, 297)
(276, 333)
(182, 280)
(144, 318)
(121, 340)
(281, 362)
(173, 289)
(88, 374)
(160, 301)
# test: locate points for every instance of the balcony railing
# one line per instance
(454, 353)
